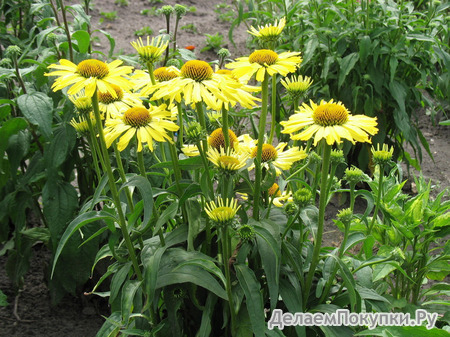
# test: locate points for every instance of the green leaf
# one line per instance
(37, 234)
(76, 224)
(145, 188)
(292, 298)
(3, 299)
(37, 108)
(112, 42)
(193, 210)
(364, 48)
(84, 40)
(8, 129)
(337, 331)
(128, 293)
(60, 146)
(117, 280)
(269, 248)
(205, 325)
(254, 301)
(169, 213)
(382, 270)
(346, 65)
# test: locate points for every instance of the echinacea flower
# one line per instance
(222, 212)
(217, 139)
(265, 61)
(81, 125)
(382, 156)
(296, 86)
(89, 75)
(277, 156)
(330, 121)
(151, 52)
(229, 161)
(286, 196)
(147, 124)
(142, 81)
(198, 83)
(83, 104)
(112, 105)
(268, 33)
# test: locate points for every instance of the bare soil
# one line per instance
(80, 316)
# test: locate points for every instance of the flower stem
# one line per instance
(322, 204)
(261, 132)
(226, 135)
(377, 206)
(226, 266)
(274, 107)
(122, 175)
(113, 188)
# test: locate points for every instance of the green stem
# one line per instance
(352, 196)
(122, 176)
(274, 107)
(377, 206)
(113, 189)
(261, 132)
(226, 257)
(226, 135)
(322, 205)
(95, 148)
(66, 28)
(181, 124)
(175, 163)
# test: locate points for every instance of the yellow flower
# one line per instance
(217, 139)
(222, 212)
(152, 51)
(229, 161)
(146, 124)
(89, 75)
(190, 150)
(142, 81)
(277, 156)
(382, 156)
(265, 61)
(83, 104)
(81, 125)
(268, 32)
(330, 121)
(280, 200)
(296, 86)
(274, 190)
(114, 105)
(198, 83)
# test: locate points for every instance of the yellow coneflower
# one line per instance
(217, 139)
(113, 105)
(331, 121)
(286, 196)
(89, 75)
(274, 190)
(265, 61)
(147, 124)
(198, 83)
(382, 156)
(229, 161)
(282, 160)
(268, 33)
(143, 83)
(296, 86)
(222, 212)
(152, 51)
(81, 125)
(83, 104)
(190, 150)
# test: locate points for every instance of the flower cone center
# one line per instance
(268, 153)
(274, 190)
(162, 75)
(330, 114)
(106, 98)
(223, 213)
(92, 68)
(217, 139)
(137, 117)
(197, 70)
(263, 57)
(228, 161)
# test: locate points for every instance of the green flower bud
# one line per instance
(337, 157)
(5, 63)
(246, 233)
(382, 156)
(51, 38)
(345, 215)
(166, 10)
(194, 132)
(180, 10)
(302, 197)
(290, 208)
(314, 158)
(354, 175)
(223, 53)
(13, 51)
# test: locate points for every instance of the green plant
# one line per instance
(190, 27)
(154, 2)
(213, 42)
(224, 12)
(377, 59)
(110, 16)
(146, 30)
(149, 11)
(192, 9)
(121, 3)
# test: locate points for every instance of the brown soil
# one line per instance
(77, 316)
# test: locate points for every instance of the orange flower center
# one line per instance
(263, 57)
(137, 117)
(107, 98)
(217, 139)
(330, 114)
(274, 190)
(92, 68)
(268, 153)
(163, 75)
(197, 70)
